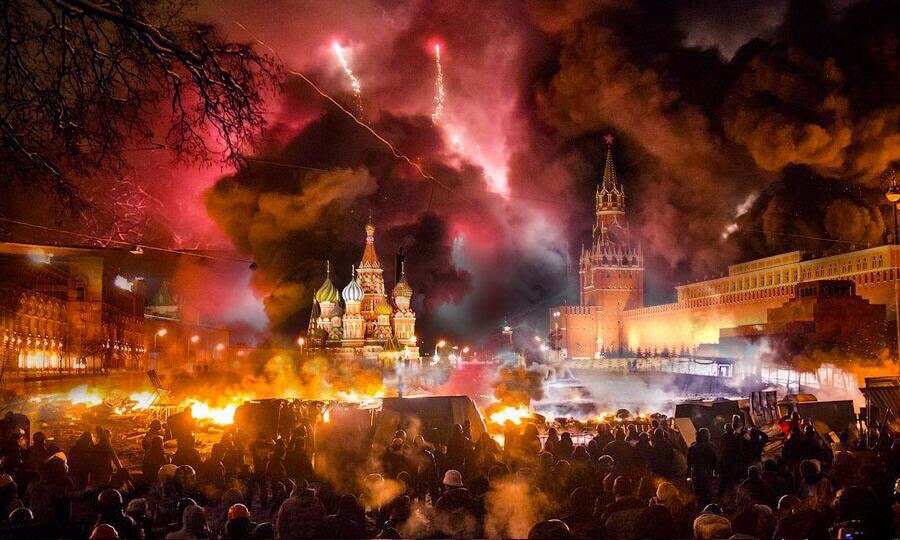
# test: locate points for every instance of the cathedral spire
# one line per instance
(370, 258)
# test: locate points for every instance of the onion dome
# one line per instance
(383, 308)
(328, 292)
(402, 288)
(352, 292)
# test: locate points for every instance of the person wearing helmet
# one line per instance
(155, 430)
(154, 458)
(112, 512)
(104, 531)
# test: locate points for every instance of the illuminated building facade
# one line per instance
(177, 338)
(611, 318)
(361, 321)
(65, 312)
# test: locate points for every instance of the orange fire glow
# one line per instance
(84, 395)
(516, 415)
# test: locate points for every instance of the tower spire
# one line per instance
(610, 182)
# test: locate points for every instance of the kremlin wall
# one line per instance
(611, 318)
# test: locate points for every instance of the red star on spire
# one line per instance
(609, 138)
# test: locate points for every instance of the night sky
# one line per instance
(742, 129)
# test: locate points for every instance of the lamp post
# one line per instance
(893, 196)
(439, 345)
(301, 341)
(159, 333)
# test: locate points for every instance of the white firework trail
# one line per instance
(438, 86)
(354, 82)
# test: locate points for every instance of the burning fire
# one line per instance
(142, 400)
(201, 410)
(84, 395)
(354, 396)
(510, 414)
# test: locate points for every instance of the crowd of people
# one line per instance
(628, 481)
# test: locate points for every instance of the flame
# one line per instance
(222, 416)
(142, 400)
(84, 395)
(511, 414)
(360, 398)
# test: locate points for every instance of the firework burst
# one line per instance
(438, 86)
(354, 82)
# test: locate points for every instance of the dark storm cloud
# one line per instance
(711, 103)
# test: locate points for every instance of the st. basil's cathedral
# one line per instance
(361, 321)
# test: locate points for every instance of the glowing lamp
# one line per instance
(301, 341)
(162, 332)
(220, 346)
(465, 350)
(893, 193)
(537, 338)
(195, 338)
(441, 343)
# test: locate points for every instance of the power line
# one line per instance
(126, 244)
(397, 153)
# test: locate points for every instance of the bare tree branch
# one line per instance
(80, 80)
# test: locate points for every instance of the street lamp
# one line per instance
(159, 333)
(439, 345)
(893, 197)
(537, 339)
(301, 341)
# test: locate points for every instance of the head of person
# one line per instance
(667, 494)
(185, 476)
(452, 479)
(753, 472)
(620, 434)
(238, 511)
(156, 425)
(729, 428)
(110, 501)
(711, 527)
(551, 529)
(104, 532)
(137, 509)
(194, 521)
(703, 435)
(622, 487)
(21, 516)
(810, 469)
(156, 444)
(217, 452)
(788, 503)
